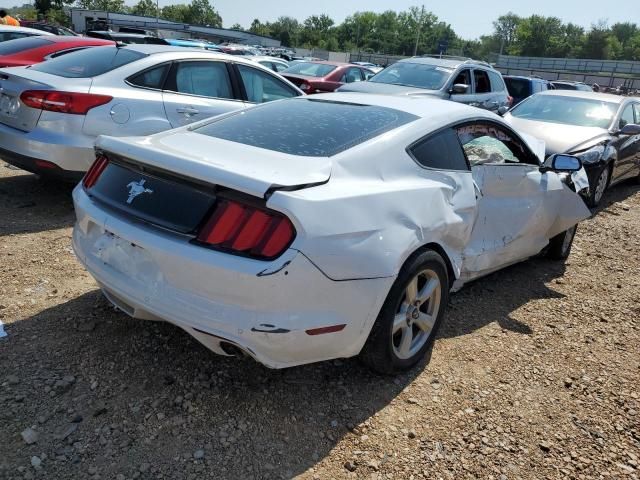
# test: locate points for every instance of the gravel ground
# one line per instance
(535, 375)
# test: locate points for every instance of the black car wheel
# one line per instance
(560, 245)
(410, 317)
(598, 186)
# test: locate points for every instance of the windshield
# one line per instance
(311, 69)
(581, 112)
(282, 126)
(88, 62)
(420, 75)
(21, 44)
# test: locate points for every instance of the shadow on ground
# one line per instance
(29, 204)
(165, 396)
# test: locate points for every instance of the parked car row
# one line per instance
(316, 226)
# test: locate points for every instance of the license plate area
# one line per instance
(127, 258)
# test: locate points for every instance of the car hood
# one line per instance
(558, 137)
(252, 170)
(385, 89)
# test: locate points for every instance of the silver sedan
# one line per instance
(51, 113)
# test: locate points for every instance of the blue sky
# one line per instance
(469, 18)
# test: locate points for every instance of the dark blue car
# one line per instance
(523, 87)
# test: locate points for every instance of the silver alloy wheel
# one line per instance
(601, 186)
(568, 238)
(417, 314)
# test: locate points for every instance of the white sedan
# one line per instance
(316, 228)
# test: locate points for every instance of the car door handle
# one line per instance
(188, 111)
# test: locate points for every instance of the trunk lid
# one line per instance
(298, 80)
(13, 82)
(213, 161)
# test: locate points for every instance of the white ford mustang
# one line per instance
(320, 227)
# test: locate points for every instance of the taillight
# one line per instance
(63, 102)
(92, 175)
(245, 229)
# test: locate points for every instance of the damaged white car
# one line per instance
(316, 228)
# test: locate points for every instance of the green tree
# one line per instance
(106, 5)
(145, 7)
(596, 44)
(203, 13)
(236, 26)
(505, 28)
(176, 13)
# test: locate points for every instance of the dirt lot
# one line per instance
(535, 375)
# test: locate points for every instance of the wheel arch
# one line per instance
(440, 250)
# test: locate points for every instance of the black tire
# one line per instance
(595, 196)
(560, 245)
(379, 352)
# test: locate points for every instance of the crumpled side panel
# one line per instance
(367, 229)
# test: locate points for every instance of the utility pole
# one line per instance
(415, 50)
(158, 18)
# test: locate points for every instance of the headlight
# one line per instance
(593, 155)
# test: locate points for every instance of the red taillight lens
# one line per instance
(246, 229)
(63, 102)
(92, 175)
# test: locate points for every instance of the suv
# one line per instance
(459, 79)
(523, 87)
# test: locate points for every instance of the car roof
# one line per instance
(267, 57)
(605, 97)
(524, 77)
(78, 40)
(417, 105)
(445, 62)
(327, 62)
(35, 31)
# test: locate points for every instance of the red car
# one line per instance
(319, 77)
(29, 50)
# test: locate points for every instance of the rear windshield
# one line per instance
(21, 44)
(420, 75)
(311, 69)
(283, 126)
(88, 62)
(518, 87)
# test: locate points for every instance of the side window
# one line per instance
(368, 74)
(262, 87)
(279, 66)
(268, 64)
(153, 78)
(636, 107)
(441, 151)
(205, 78)
(464, 78)
(481, 81)
(6, 36)
(497, 84)
(627, 116)
(351, 75)
(489, 144)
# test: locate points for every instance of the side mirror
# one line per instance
(459, 88)
(561, 162)
(502, 110)
(629, 129)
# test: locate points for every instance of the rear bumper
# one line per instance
(264, 308)
(34, 165)
(68, 150)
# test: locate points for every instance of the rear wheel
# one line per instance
(410, 317)
(560, 245)
(599, 186)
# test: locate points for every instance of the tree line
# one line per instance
(409, 32)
